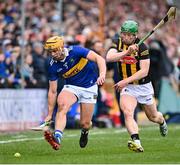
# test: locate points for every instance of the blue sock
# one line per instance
(58, 135)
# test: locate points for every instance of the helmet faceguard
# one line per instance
(55, 42)
(129, 26)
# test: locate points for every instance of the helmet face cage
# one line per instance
(55, 42)
(129, 27)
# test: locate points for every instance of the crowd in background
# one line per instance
(79, 24)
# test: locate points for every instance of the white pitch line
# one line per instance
(75, 135)
(71, 135)
(20, 140)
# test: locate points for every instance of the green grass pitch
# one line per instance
(105, 146)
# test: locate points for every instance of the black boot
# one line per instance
(84, 138)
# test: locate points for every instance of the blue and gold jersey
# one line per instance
(76, 69)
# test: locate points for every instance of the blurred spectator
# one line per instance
(7, 47)
(40, 65)
(27, 72)
(3, 71)
(160, 65)
(13, 62)
(101, 117)
(98, 47)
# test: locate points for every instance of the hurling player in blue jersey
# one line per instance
(83, 70)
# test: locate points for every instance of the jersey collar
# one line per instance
(66, 52)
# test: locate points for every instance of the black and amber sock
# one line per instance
(135, 137)
(84, 131)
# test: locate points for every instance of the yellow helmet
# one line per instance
(55, 42)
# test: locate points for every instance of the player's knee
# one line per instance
(63, 107)
(128, 113)
(152, 117)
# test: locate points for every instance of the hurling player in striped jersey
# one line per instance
(135, 85)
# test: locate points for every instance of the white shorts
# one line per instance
(143, 93)
(84, 95)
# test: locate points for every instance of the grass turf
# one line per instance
(105, 146)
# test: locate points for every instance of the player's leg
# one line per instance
(156, 117)
(128, 104)
(65, 100)
(86, 112)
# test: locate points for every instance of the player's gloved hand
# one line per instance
(101, 79)
(133, 48)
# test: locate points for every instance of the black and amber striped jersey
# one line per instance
(130, 64)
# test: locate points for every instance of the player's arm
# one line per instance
(144, 64)
(92, 56)
(144, 69)
(52, 95)
(113, 55)
(143, 72)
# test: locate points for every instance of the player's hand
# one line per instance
(48, 118)
(120, 85)
(101, 79)
(133, 48)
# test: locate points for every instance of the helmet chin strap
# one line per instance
(63, 53)
(133, 42)
(129, 43)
